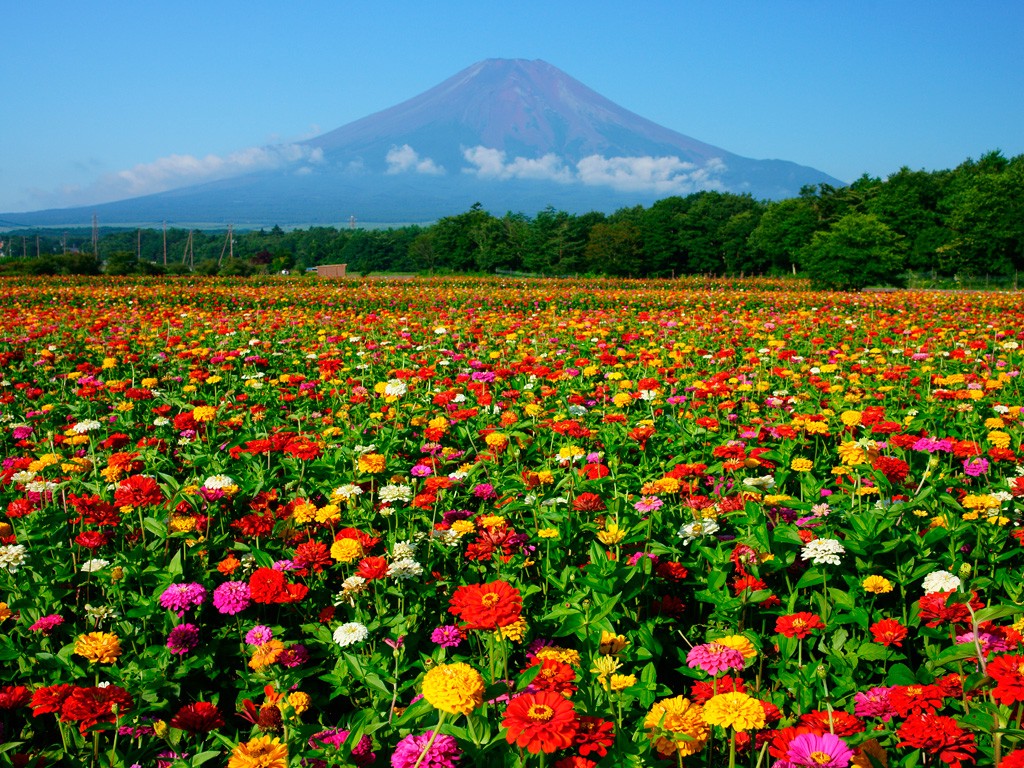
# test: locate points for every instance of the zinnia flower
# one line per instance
(454, 688)
(889, 632)
(98, 647)
(713, 658)
(734, 710)
(437, 750)
(939, 736)
(540, 722)
(182, 597)
(183, 638)
(670, 719)
(350, 633)
(487, 606)
(198, 719)
(231, 597)
(820, 751)
(261, 752)
(798, 624)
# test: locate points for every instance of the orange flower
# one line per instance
(540, 722)
(487, 606)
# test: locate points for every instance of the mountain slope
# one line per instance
(512, 134)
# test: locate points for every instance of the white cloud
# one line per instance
(490, 164)
(404, 158)
(664, 175)
(178, 171)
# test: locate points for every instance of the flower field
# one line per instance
(474, 522)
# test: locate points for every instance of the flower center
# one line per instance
(820, 758)
(490, 599)
(540, 712)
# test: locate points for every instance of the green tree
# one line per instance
(782, 232)
(857, 251)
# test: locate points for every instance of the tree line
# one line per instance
(966, 221)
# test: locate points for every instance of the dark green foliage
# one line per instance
(855, 252)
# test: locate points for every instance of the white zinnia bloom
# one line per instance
(12, 557)
(403, 549)
(395, 388)
(690, 532)
(405, 568)
(390, 493)
(940, 581)
(822, 551)
(218, 482)
(347, 491)
(350, 633)
(96, 564)
(85, 426)
(764, 483)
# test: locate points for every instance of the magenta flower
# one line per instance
(231, 597)
(874, 702)
(713, 658)
(46, 624)
(293, 656)
(444, 752)
(975, 467)
(810, 749)
(183, 638)
(182, 597)
(362, 752)
(259, 635)
(421, 470)
(485, 491)
(447, 637)
(648, 504)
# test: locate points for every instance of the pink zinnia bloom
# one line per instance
(181, 597)
(874, 702)
(975, 467)
(648, 504)
(421, 470)
(47, 624)
(810, 749)
(713, 658)
(231, 597)
(183, 638)
(443, 753)
(259, 635)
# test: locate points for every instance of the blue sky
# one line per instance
(111, 99)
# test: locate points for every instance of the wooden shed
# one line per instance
(331, 270)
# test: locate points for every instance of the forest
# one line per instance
(961, 223)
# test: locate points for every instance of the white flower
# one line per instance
(395, 388)
(23, 477)
(347, 491)
(390, 493)
(161, 421)
(361, 449)
(822, 551)
(764, 483)
(350, 633)
(96, 564)
(403, 549)
(440, 330)
(85, 426)
(690, 532)
(447, 537)
(12, 557)
(100, 612)
(353, 585)
(218, 482)
(940, 581)
(405, 568)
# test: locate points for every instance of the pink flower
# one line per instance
(874, 702)
(648, 504)
(181, 597)
(713, 658)
(810, 749)
(975, 467)
(444, 752)
(231, 597)
(183, 638)
(47, 624)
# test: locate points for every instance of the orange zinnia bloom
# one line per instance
(487, 606)
(540, 722)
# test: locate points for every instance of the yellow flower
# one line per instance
(548, 533)
(622, 682)
(329, 513)
(604, 667)
(456, 688)
(877, 585)
(570, 452)
(801, 465)
(734, 710)
(850, 418)
(5, 612)
(994, 423)
(266, 654)
(462, 527)
(346, 550)
(612, 643)
(613, 534)
(492, 521)
(676, 726)
(304, 513)
(98, 647)
(371, 463)
(204, 413)
(261, 752)
(496, 440)
(564, 655)
(515, 631)
(852, 454)
(999, 438)
(300, 701)
(984, 501)
(739, 643)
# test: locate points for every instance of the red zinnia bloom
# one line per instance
(778, 747)
(487, 606)
(1013, 760)
(14, 696)
(138, 491)
(554, 676)
(540, 722)
(935, 610)
(702, 691)
(838, 722)
(197, 719)
(594, 735)
(89, 706)
(1008, 672)
(588, 502)
(940, 736)
(371, 568)
(889, 632)
(50, 699)
(798, 624)
(915, 699)
(268, 586)
(312, 554)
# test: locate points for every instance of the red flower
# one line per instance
(595, 735)
(779, 745)
(14, 696)
(838, 722)
(267, 586)
(1013, 760)
(50, 699)
(197, 719)
(92, 539)
(89, 706)
(588, 502)
(798, 624)
(487, 606)
(138, 491)
(312, 554)
(554, 676)
(702, 691)
(939, 736)
(1008, 672)
(371, 568)
(935, 611)
(540, 722)
(889, 632)
(915, 699)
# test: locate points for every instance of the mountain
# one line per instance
(511, 134)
